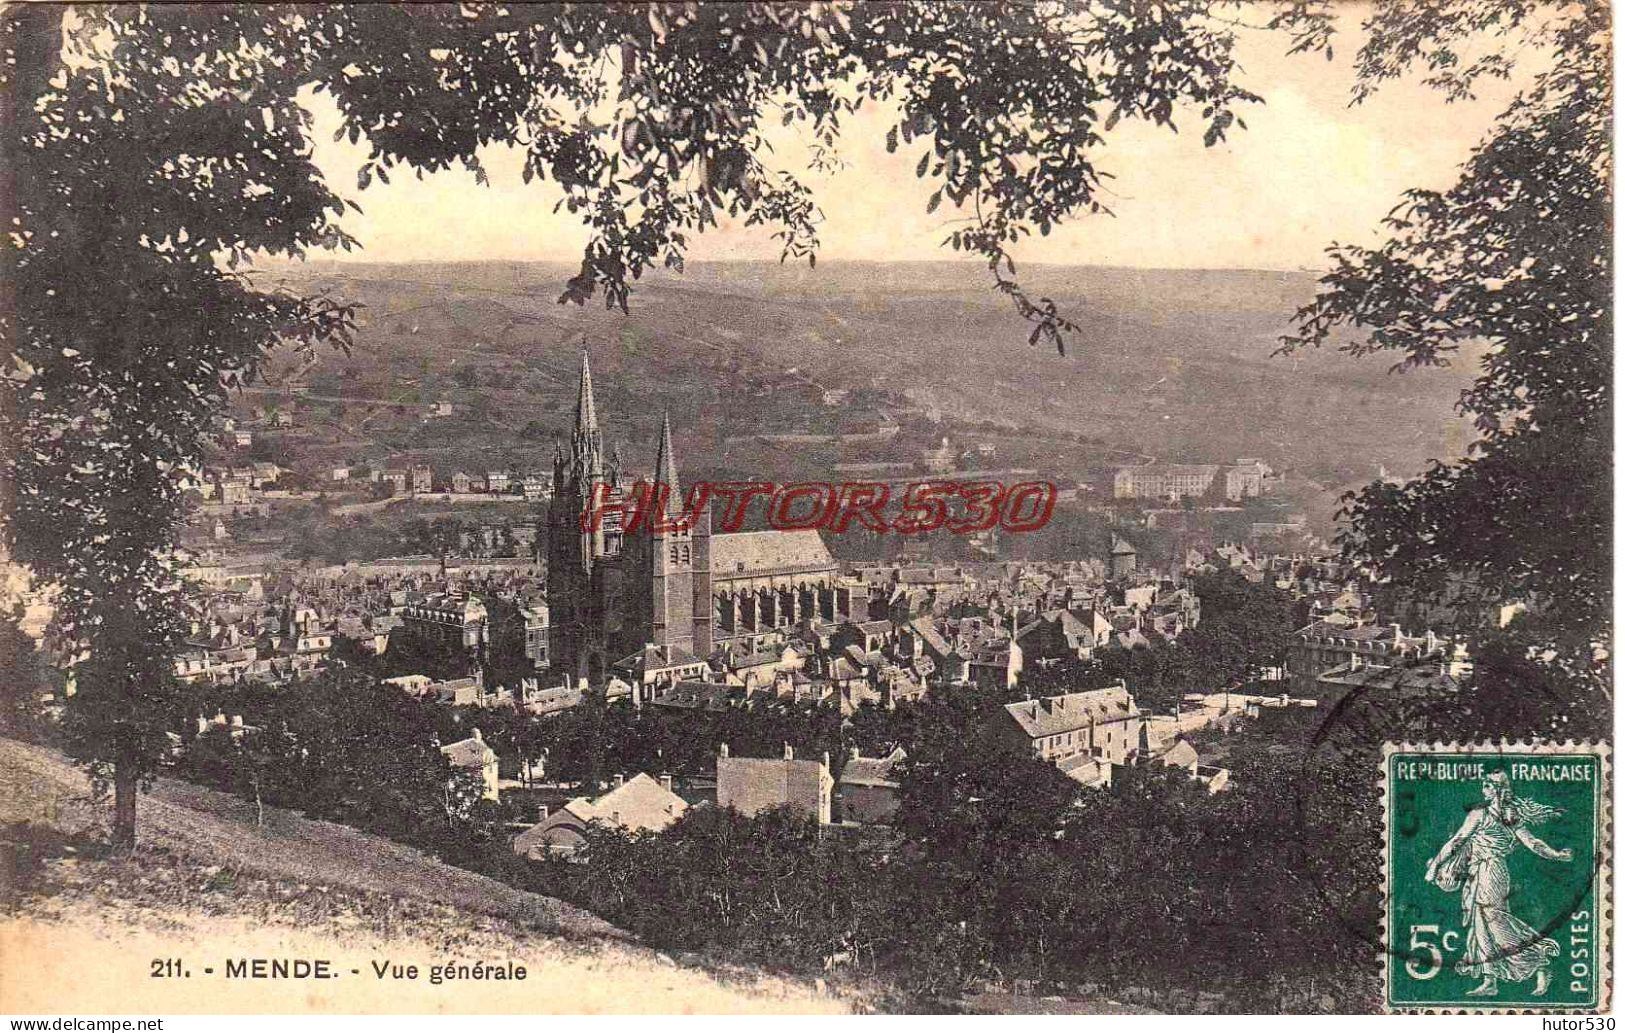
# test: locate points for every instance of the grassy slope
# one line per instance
(207, 884)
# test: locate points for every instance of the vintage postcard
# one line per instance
(805, 507)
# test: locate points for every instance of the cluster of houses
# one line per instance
(238, 485)
(232, 433)
(907, 629)
(422, 479)
(249, 637)
(244, 483)
(1086, 735)
(278, 628)
(866, 793)
(403, 478)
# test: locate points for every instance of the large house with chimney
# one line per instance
(1084, 734)
(1328, 658)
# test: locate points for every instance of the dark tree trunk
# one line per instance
(124, 790)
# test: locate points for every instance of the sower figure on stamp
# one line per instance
(1499, 946)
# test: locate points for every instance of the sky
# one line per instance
(1309, 170)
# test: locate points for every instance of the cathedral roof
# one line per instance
(756, 553)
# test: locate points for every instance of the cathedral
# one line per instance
(649, 597)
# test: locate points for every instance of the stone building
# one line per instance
(869, 791)
(751, 785)
(1085, 734)
(1123, 560)
(1327, 657)
(450, 619)
(1246, 478)
(639, 804)
(474, 756)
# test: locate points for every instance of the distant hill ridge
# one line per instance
(1176, 363)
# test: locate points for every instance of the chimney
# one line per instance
(541, 814)
(789, 753)
(665, 782)
(853, 754)
(477, 736)
(826, 760)
(620, 780)
(722, 751)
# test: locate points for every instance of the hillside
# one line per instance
(1175, 363)
(207, 885)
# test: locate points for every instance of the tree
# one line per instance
(979, 811)
(1515, 257)
(504, 661)
(252, 762)
(1245, 627)
(24, 681)
(114, 381)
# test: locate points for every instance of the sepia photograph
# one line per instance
(806, 508)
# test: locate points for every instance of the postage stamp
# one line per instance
(1496, 876)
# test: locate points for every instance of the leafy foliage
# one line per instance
(1001, 868)
(1516, 256)
(25, 680)
(342, 748)
(598, 739)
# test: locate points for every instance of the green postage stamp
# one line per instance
(1496, 877)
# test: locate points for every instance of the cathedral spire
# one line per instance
(665, 478)
(586, 445)
(666, 458)
(586, 411)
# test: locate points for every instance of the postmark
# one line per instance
(1496, 872)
